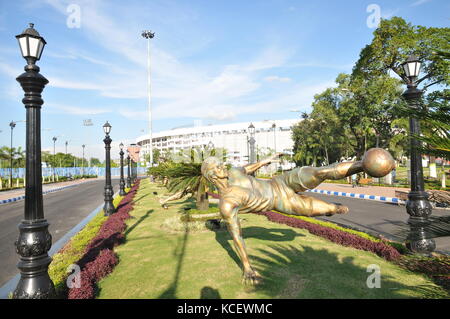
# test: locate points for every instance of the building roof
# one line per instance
(220, 127)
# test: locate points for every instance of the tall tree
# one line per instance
(394, 40)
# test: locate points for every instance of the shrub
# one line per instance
(336, 236)
(99, 258)
(74, 250)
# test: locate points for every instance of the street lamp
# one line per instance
(12, 124)
(128, 170)
(54, 156)
(274, 127)
(34, 240)
(147, 34)
(122, 180)
(82, 162)
(417, 206)
(251, 140)
(108, 208)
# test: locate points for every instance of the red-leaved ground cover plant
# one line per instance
(99, 258)
(337, 236)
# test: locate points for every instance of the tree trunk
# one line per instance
(202, 201)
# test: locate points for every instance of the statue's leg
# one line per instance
(176, 196)
(310, 206)
(310, 177)
(234, 228)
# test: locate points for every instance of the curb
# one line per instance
(360, 196)
(15, 199)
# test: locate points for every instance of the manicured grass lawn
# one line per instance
(157, 263)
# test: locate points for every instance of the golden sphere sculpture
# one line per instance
(378, 162)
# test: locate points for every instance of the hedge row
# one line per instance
(74, 250)
(337, 236)
(99, 258)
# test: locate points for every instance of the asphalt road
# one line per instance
(63, 210)
(375, 217)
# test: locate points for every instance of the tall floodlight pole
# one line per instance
(34, 240)
(149, 35)
(418, 206)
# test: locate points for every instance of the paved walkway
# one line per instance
(20, 192)
(369, 190)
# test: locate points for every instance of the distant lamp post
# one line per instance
(251, 141)
(11, 155)
(128, 170)
(418, 207)
(54, 156)
(108, 208)
(211, 151)
(122, 180)
(82, 161)
(34, 240)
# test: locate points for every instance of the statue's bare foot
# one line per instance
(341, 209)
(251, 277)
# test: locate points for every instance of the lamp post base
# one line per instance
(109, 208)
(418, 240)
(33, 245)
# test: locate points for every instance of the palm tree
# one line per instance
(19, 157)
(186, 177)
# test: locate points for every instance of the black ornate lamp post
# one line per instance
(133, 171)
(54, 156)
(418, 207)
(128, 171)
(11, 155)
(122, 179)
(34, 239)
(82, 161)
(251, 140)
(108, 208)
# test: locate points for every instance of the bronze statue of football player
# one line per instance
(240, 192)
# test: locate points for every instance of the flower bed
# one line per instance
(336, 236)
(99, 258)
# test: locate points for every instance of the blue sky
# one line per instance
(214, 61)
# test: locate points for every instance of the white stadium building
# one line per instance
(269, 135)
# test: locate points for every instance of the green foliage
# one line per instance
(72, 252)
(186, 176)
(366, 108)
(394, 40)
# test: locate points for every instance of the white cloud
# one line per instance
(389, 13)
(76, 110)
(275, 78)
(180, 89)
(419, 2)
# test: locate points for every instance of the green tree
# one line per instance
(394, 40)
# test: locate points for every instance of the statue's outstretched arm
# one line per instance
(251, 168)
